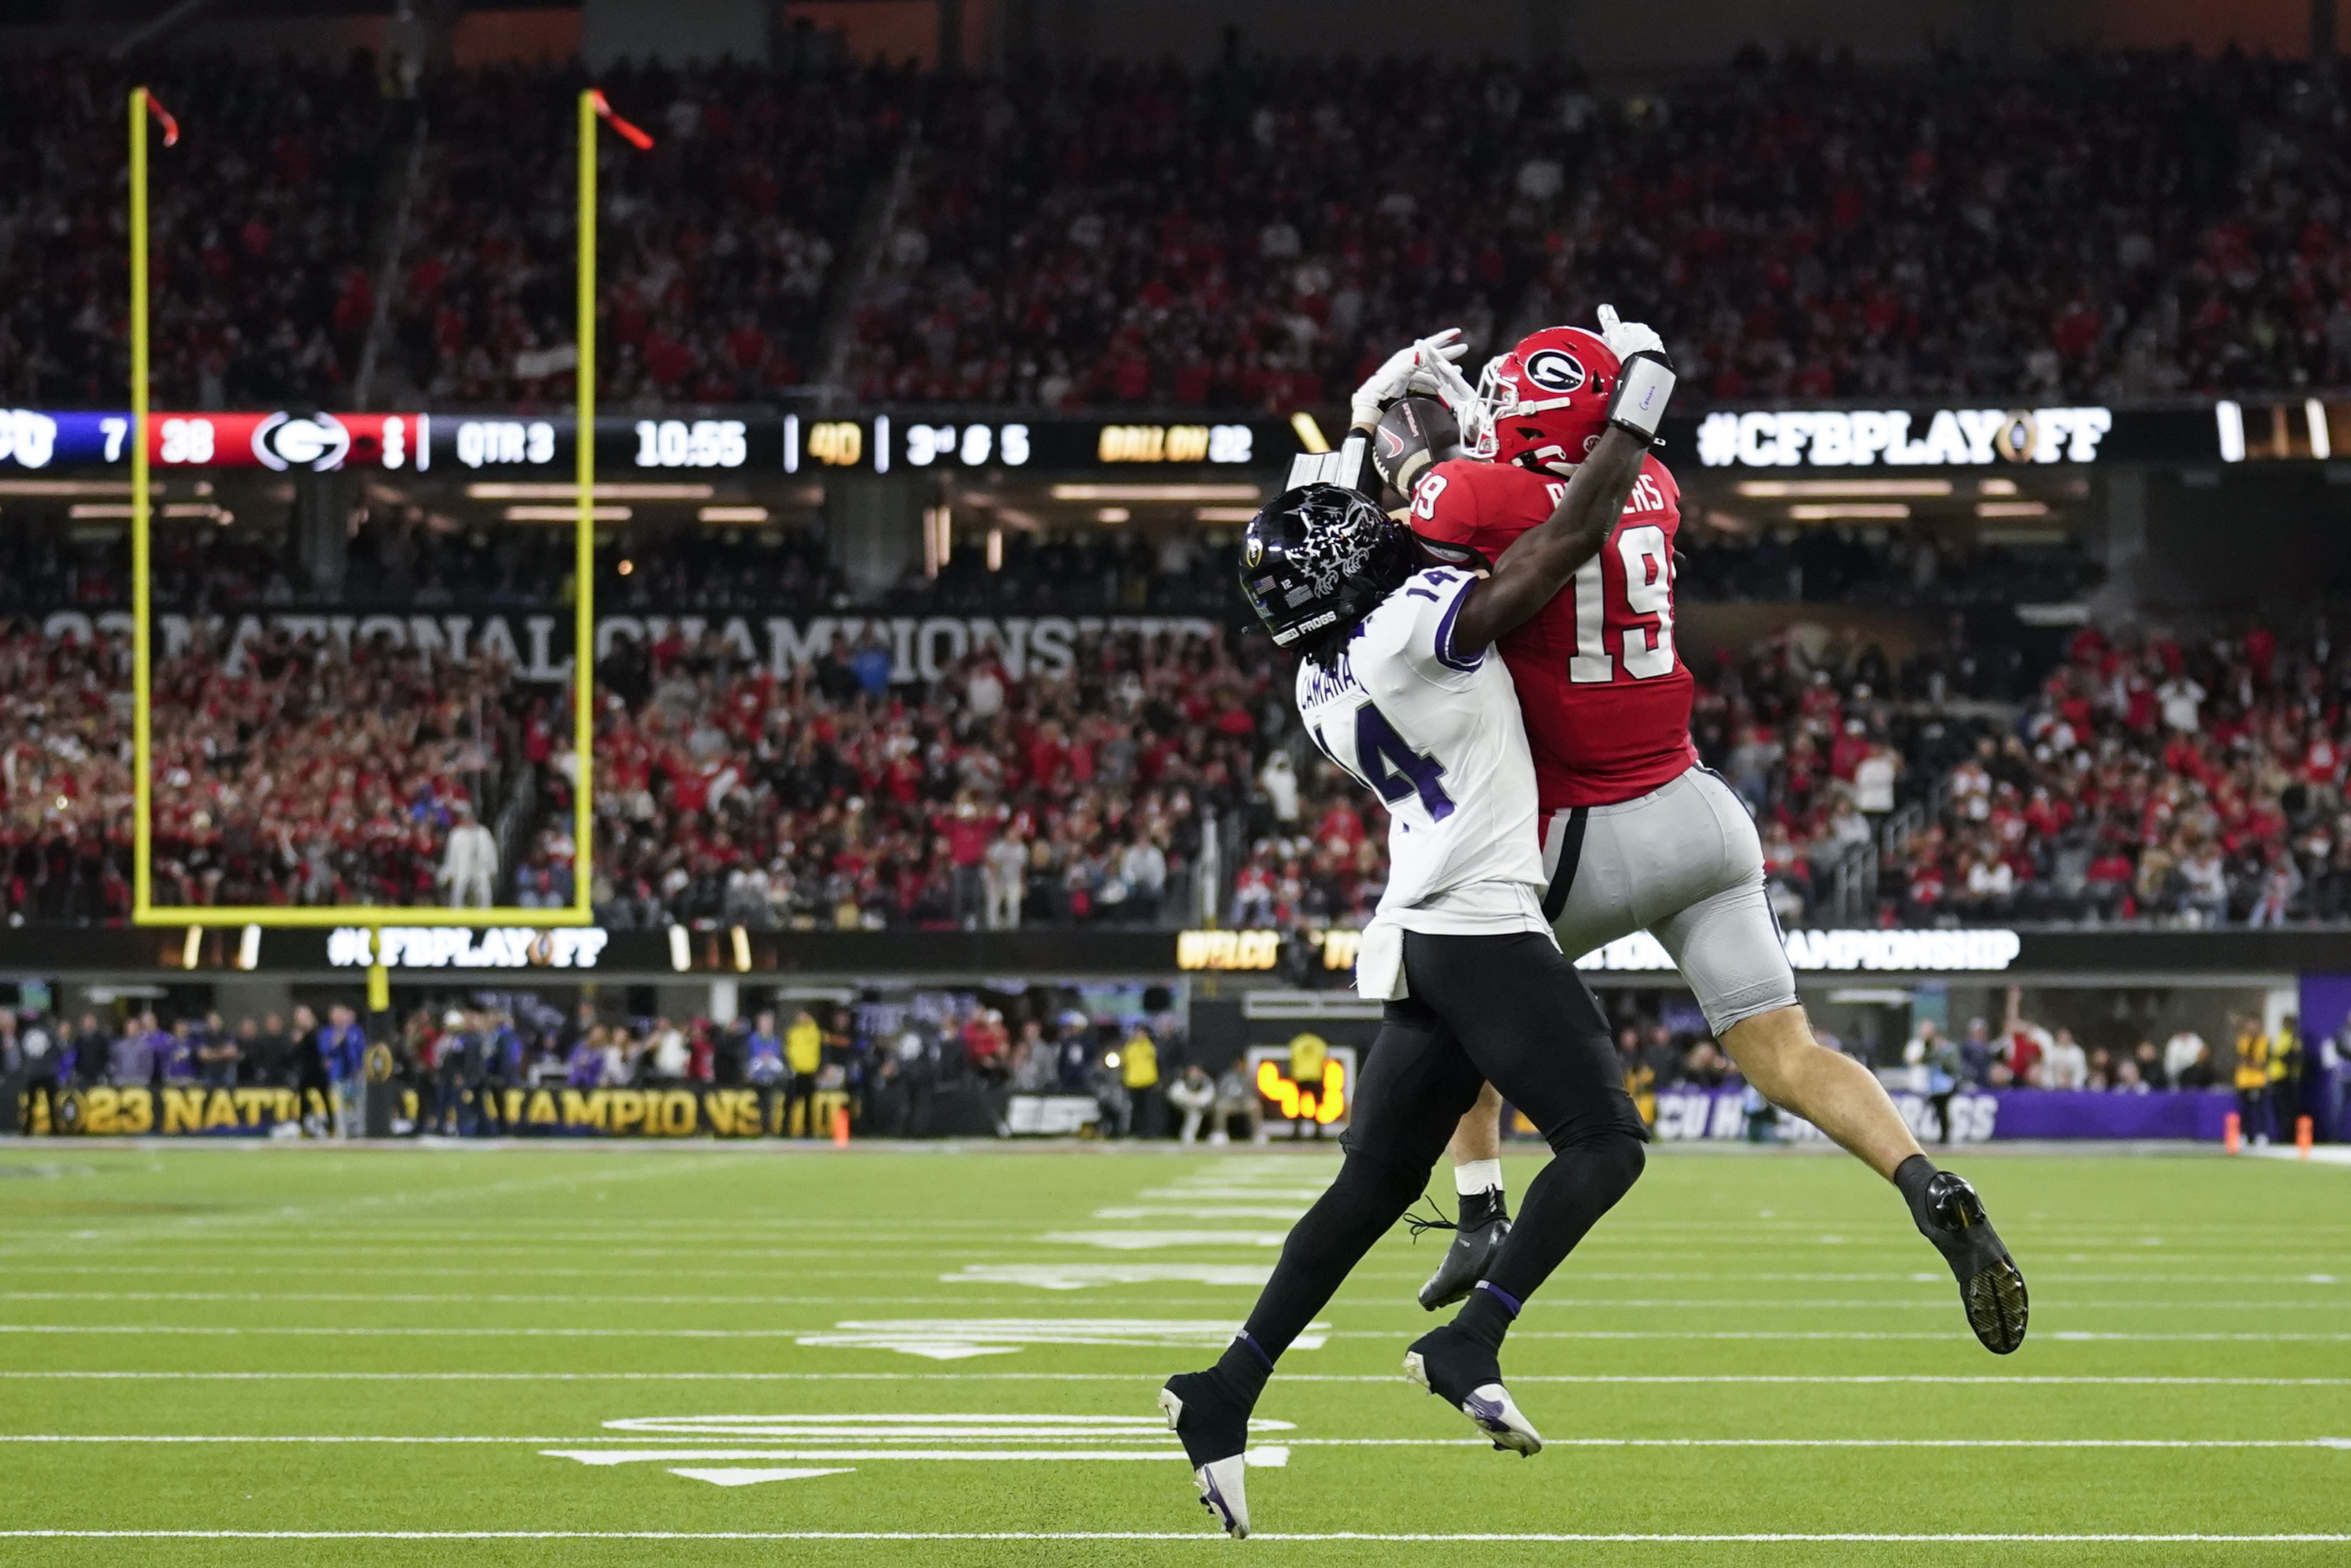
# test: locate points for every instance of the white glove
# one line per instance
(1414, 368)
(1626, 339)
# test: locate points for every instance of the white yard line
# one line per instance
(1366, 1275)
(1938, 1301)
(1831, 1380)
(710, 1449)
(475, 1332)
(1561, 1537)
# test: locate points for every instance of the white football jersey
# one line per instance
(1439, 737)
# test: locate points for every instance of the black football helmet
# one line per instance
(1321, 557)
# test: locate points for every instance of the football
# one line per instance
(1414, 433)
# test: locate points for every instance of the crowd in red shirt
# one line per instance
(992, 796)
(293, 771)
(1253, 234)
(2192, 780)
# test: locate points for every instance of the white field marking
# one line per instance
(753, 1477)
(1132, 1445)
(1856, 1379)
(1227, 1192)
(2066, 1334)
(407, 1298)
(931, 1425)
(1623, 1538)
(2325, 1153)
(1148, 1241)
(876, 1338)
(957, 1425)
(1086, 1276)
(1273, 1457)
(177, 1228)
(982, 1270)
(953, 1339)
(1048, 1278)
(1225, 1211)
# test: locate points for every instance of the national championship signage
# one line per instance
(203, 1110)
(921, 647)
(1689, 1115)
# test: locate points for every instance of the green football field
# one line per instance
(590, 1355)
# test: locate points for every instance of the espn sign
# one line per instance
(1861, 438)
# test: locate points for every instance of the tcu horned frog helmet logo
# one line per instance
(1544, 403)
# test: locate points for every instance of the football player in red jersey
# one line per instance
(1637, 834)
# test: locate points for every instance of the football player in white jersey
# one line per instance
(1399, 687)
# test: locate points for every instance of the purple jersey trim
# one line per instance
(1445, 654)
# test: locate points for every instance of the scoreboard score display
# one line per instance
(748, 443)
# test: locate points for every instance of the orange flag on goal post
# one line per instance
(164, 118)
(629, 132)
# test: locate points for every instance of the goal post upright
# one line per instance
(583, 570)
(142, 737)
(373, 917)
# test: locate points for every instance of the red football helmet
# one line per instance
(1544, 403)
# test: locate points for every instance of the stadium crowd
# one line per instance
(1256, 234)
(290, 770)
(886, 1062)
(2185, 779)
(400, 559)
(717, 241)
(992, 797)
(263, 273)
(1252, 234)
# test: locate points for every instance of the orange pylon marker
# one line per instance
(2302, 1135)
(2232, 1133)
(840, 1126)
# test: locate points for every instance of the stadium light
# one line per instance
(492, 490)
(1152, 494)
(567, 514)
(1833, 511)
(1845, 489)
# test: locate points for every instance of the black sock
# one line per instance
(1911, 1178)
(1479, 1209)
(1243, 1369)
(1485, 1317)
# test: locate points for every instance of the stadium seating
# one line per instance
(263, 276)
(2192, 781)
(1248, 234)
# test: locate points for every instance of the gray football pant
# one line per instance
(1684, 863)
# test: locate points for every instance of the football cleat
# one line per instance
(1464, 1264)
(1464, 1374)
(1214, 1427)
(1950, 1215)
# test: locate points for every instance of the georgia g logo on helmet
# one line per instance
(1555, 371)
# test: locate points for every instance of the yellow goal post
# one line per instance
(144, 909)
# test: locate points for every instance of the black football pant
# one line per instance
(1507, 1010)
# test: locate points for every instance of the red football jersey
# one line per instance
(1607, 698)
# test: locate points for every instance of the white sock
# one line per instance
(1477, 1176)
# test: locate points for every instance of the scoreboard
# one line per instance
(753, 442)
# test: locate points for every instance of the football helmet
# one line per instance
(1544, 403)
(1321, 557)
